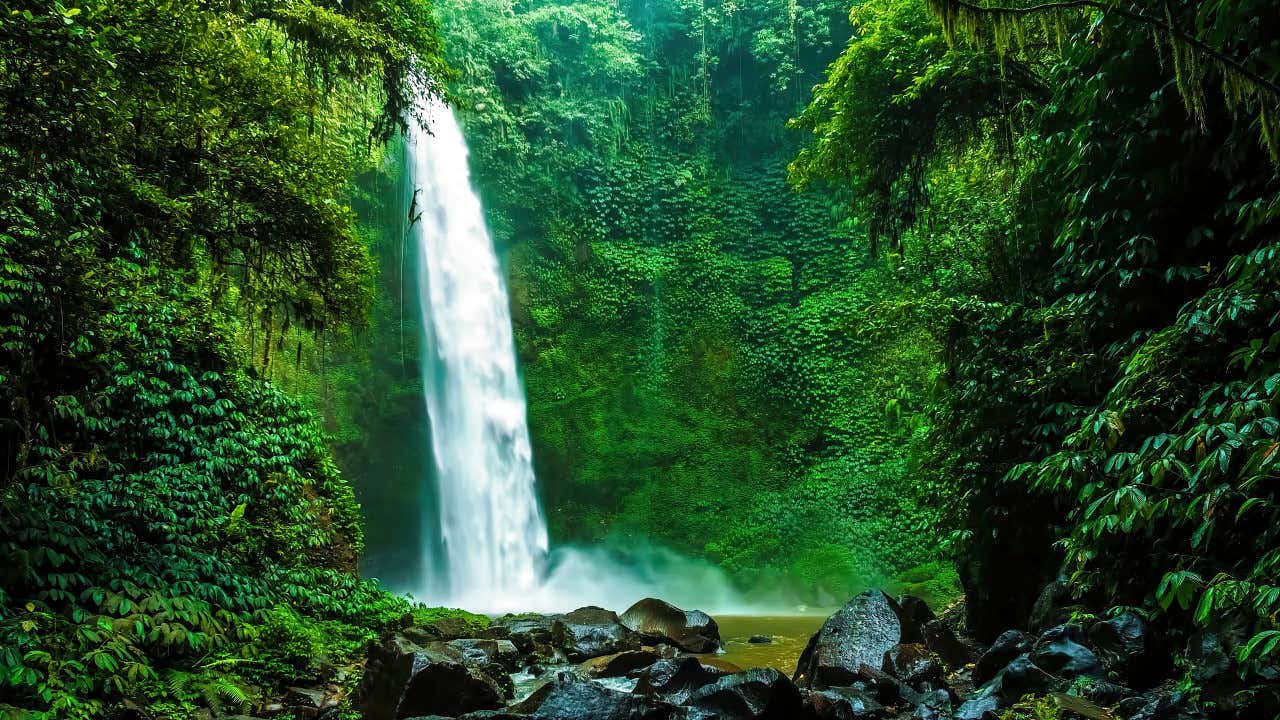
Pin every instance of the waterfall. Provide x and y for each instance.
(491, 533)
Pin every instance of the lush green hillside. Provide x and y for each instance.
(713, 361)
(175, 227)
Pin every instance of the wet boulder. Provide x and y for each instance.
(1126, 646)
(942, 640)
(619, 664)
(858, 634)
(403, 679)
(845, 703)
(1023, 677)
(658, 621)
(761, 694)
(913, 664)
(1008, 646)
(525, 631)
(1061, 651)
(476, 652)
(675, 679)
(591, 632)
(914, 614)
(983, 704)
(573, 699)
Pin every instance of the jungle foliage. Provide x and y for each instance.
(174, 533)
(1110, 387)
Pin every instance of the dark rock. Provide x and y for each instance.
(492, 715)
(860, 633)
(306, 697)
(571, 699)
(1022, 677)
(1061, 651)
(474, 652)
(912, 664)
(939, 699)
(913, 614)
(621, 664)
(675, 679)
(1008, 646)
(402, 679)
(591, 632)
(761, 694)
(760, 640)
(525, 631)
(1105, 693)
(659, 621)
(1048, 609)
(984, 704)
(1127, 647)
(845, 703)
(942, 640)
(1168, 706)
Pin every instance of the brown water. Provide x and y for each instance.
(790, 633)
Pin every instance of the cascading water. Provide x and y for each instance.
(492, 532)
(486, 548)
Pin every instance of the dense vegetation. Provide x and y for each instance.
(173, 529)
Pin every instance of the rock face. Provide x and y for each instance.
(658, 621)
(763, 694)
(572, 699)
(591, 632)
(403, 680)
(1023, 677)
(858, 634)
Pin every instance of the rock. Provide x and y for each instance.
(306, 697)
(939, 700)
(1104, 693)
(619, 664)
(761, 694)
(1075, 706)
(724, 667)
(442, 630)
(912, 664)
(1048, 609)
(1008, 646)
(675, 679)
(942, 640)
(403, 679)
(845, 703)
(572, 699)
(591, 632)
(984, 704)
(659, 621)
(1061, 651)
(860, 633)
(474, 652)
(913, 614)
(1127, 647)
(760, 640)
(1168, 706)
(1023, 677)
(525, 631)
